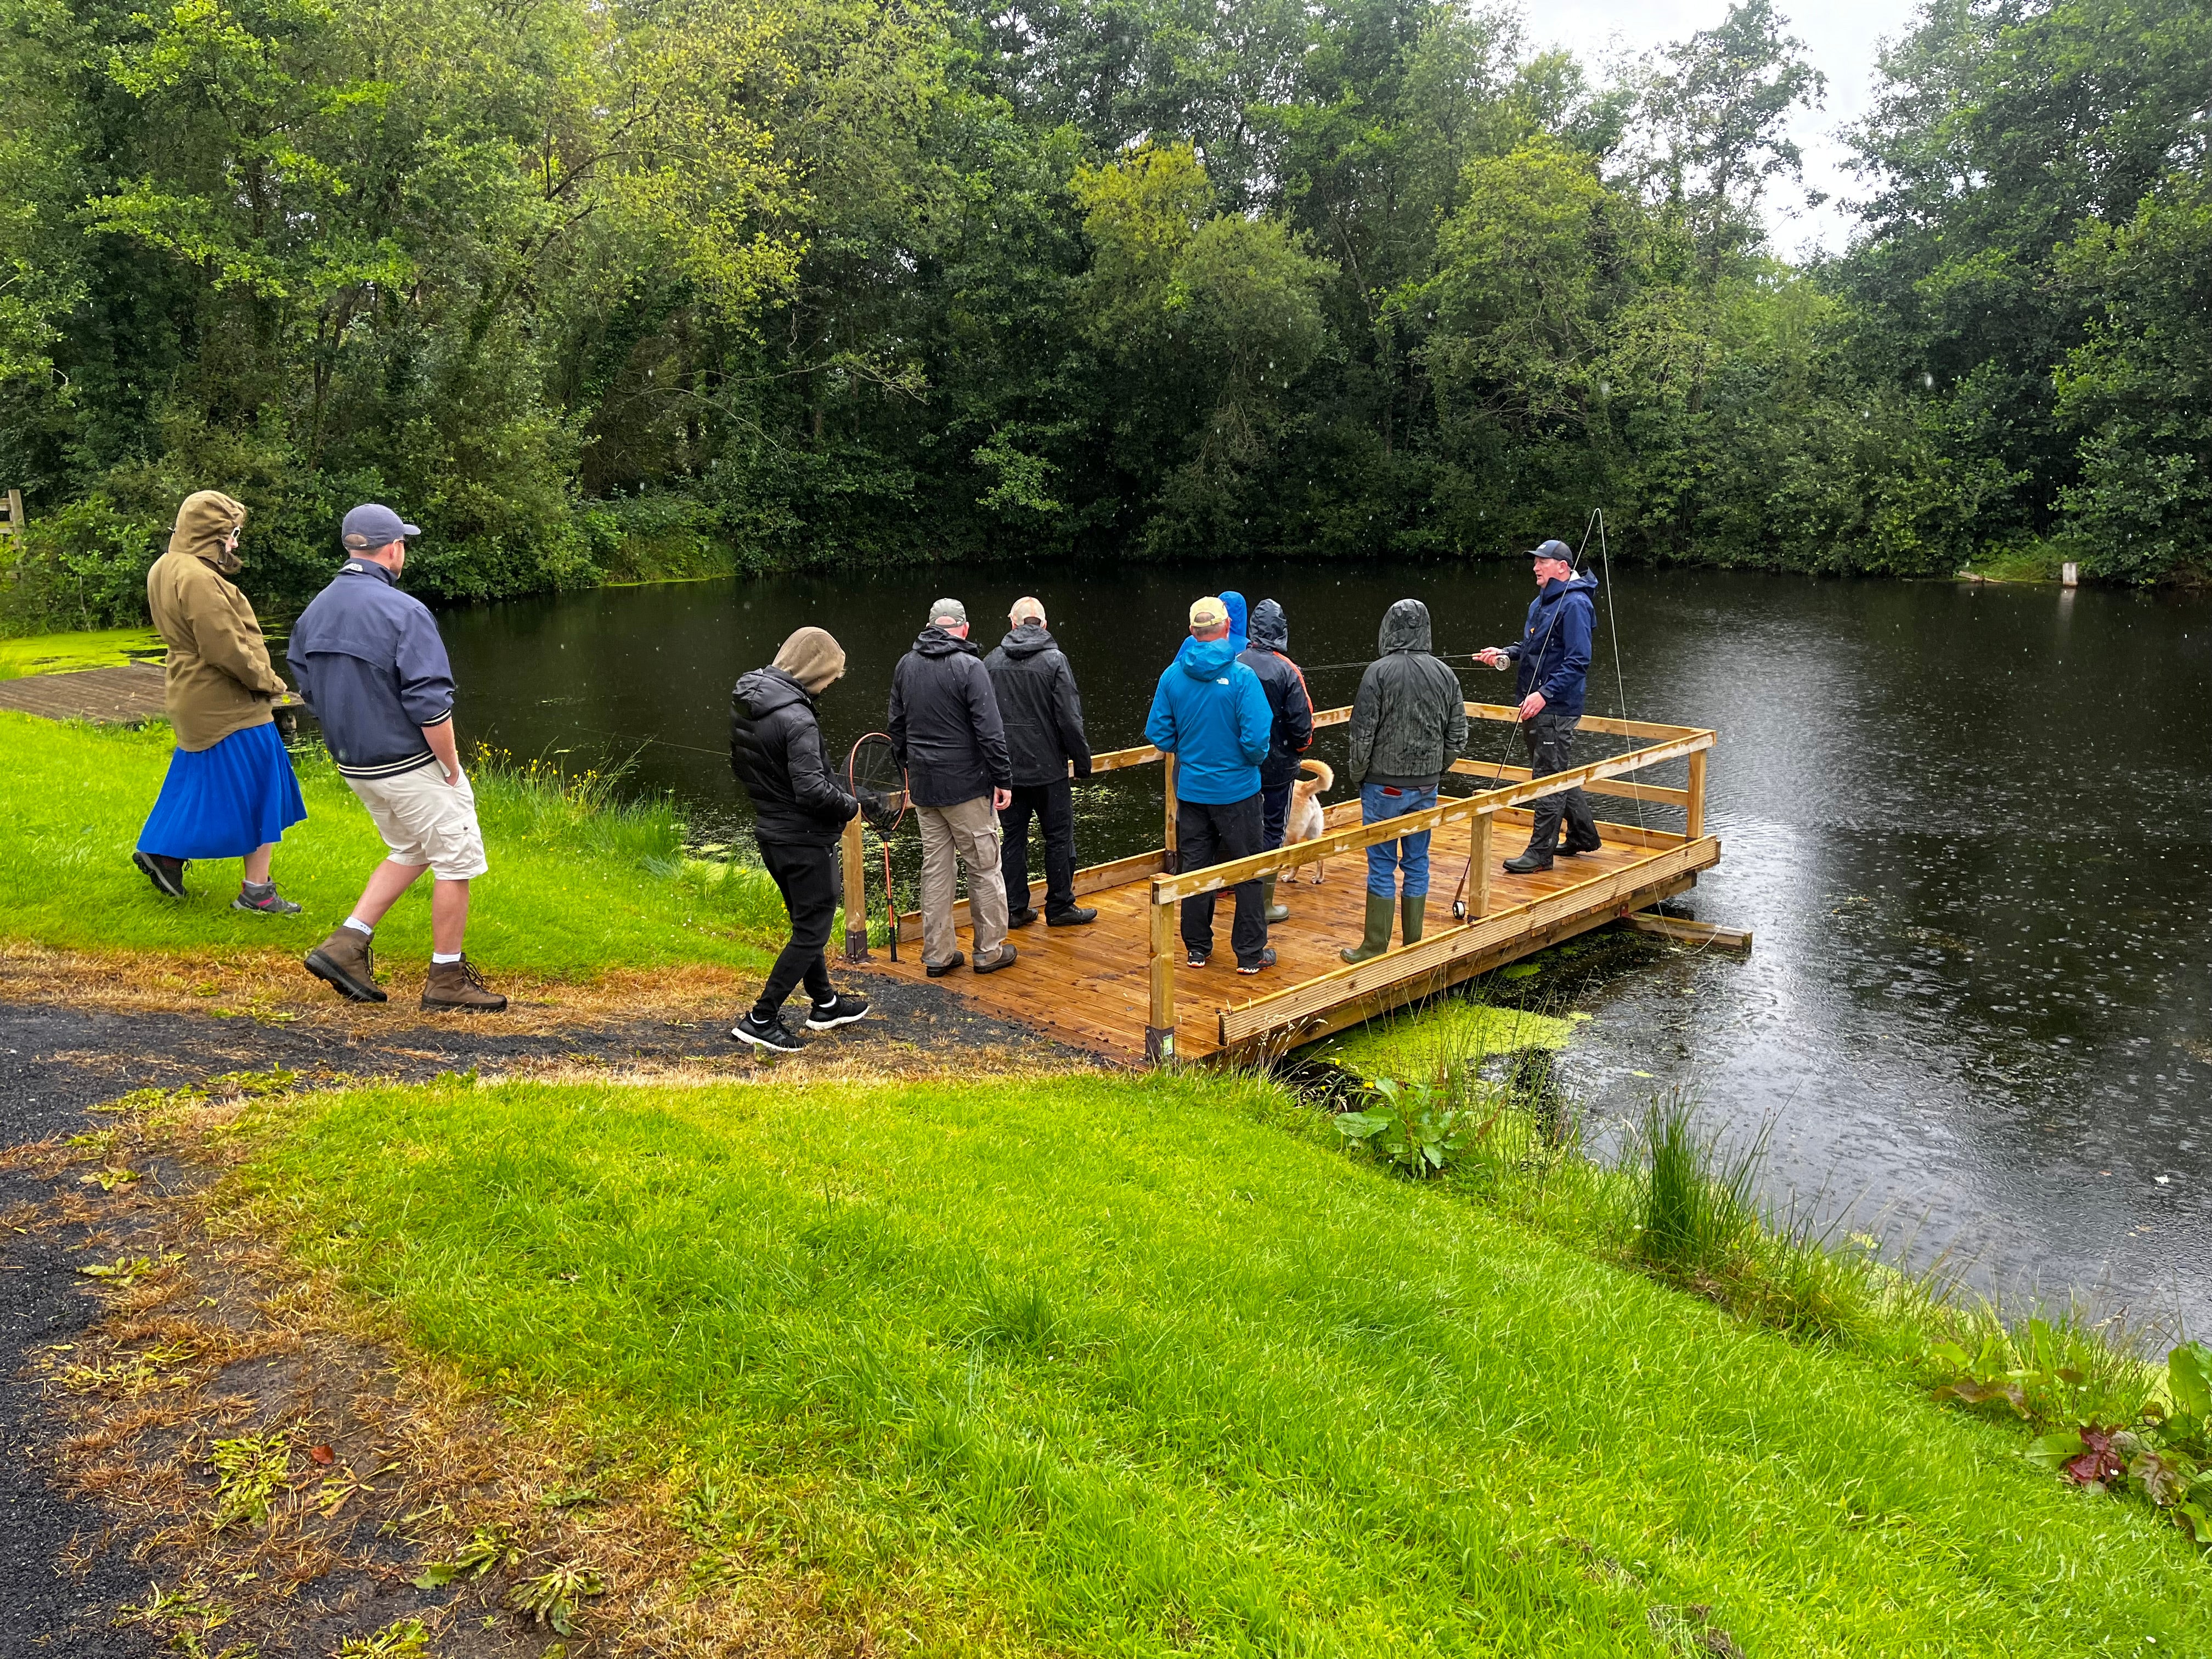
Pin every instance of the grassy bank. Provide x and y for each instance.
(62, 653)
(1117, 1365)
(578, 882)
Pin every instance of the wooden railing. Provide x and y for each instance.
(1171, 885)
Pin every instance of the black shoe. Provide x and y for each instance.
(939, 970)
(1074, 916)
(1196, 958)
(168, 874)
(1528, 863)
(1004, 959)
(840, 1010)
(1267, 961)
(1572, 846)
(773, 1035)
(1021, 918)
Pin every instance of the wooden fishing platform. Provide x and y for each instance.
(1121, 987)
(123, 695)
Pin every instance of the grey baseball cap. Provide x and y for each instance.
(952, 608)
(373, 524)
(1558, 550)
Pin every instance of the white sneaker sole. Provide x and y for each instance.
(834, 1021)
(744, 1036)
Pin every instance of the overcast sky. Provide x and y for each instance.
(1842, 36)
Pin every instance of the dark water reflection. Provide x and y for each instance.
(1972, 828)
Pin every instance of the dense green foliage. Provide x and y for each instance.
(1115, 1366)
(591, 289)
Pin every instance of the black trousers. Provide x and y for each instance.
(1550, 740)
(808, 879)
(1274, 816)
(1054, 806)
(1207, 835)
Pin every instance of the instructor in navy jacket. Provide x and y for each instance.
(1552, 655)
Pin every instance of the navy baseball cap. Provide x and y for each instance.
(1558, 550)
(373, 524)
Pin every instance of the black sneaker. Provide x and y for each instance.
(1196, 958)
(939, 970)
(773, 1035)
(168, 874)
(840, 1010)
(1267, 960)
(1004, 959)
(1021, 918)
(1075, 915)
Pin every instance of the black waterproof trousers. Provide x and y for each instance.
(808, 878)
(1274, 816)
(1207, 835)
(1055, 807)
(1550, 740)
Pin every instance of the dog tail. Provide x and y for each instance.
(1319, 769)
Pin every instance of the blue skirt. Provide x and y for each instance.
(225, 801)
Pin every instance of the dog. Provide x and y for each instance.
(1306, 823)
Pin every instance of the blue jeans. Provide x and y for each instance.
(1386, 858)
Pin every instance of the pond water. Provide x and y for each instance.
(1971, 826)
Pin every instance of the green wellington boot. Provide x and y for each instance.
(1413, 910)
(1377, 938)
(1275, 912)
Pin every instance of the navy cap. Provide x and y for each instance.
(1558, 550)
(373, 524)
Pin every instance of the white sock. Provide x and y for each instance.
(441, 957)
(360, 927)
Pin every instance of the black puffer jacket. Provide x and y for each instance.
(775, 749)
(1409, 721)
(1040, 706)
(944, 722)
(1267, 657)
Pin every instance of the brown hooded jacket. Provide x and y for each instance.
(219, 677)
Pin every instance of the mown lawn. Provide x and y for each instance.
(576, 886)
(1114, 1366)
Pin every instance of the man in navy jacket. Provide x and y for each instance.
(1552, 655)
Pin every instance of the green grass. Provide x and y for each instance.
(1116, 1365)
(1452, 1034)
(61, 653)
(578, 882)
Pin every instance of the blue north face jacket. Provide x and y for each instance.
(1553, 650)
(1211, 714)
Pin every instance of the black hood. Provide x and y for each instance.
(1270, 627)
(767, 690)
(934, 642)
(1028, 640)
(1405, 628)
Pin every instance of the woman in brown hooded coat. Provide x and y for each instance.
(230, 792)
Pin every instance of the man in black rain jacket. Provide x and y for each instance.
(799, 814)
(944, 726)
(1267, 655)
(1043, 716)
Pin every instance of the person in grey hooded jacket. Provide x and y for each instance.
(1408, 726)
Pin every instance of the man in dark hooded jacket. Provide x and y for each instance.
(1043, 713)
(1408, 726)
(945, 726)
(799, 814)
(1552, 654)
(1267, 655)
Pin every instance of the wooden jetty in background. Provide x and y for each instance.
(123, 696)
(1121, 987)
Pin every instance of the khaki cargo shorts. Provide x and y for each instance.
(425, 820)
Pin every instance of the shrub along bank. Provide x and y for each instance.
(579, 884)
(1118, 1366)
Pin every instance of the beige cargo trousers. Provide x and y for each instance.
(967, 834)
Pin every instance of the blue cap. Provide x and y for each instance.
(1558, 550)
(373, 524)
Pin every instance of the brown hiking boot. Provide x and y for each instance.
(457, 985)
(343, 962)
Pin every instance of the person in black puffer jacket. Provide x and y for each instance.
(943, 723)
(1043, 716)
(798, 815)
(1267, 655)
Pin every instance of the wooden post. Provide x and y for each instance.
(856, 892)
(1477, 853)
(1159, 1026)
(1696, 825)
(1168, 771)
(13, 524)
